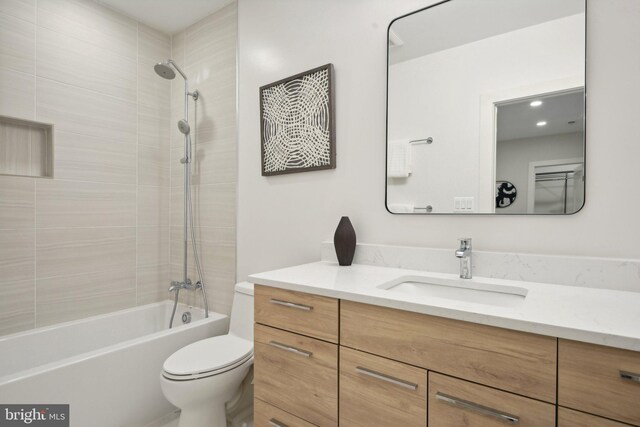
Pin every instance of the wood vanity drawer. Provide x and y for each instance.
(571, 418)
(265, 415)
(297, 374)
(298, 312)
(455, 403)
(514, 361)
(600, 380)
(380, 392)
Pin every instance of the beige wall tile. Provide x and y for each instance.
(219, 294)
(17, 255)
(14, 149)
(17, 306)
(213, 34)
(153, 246)
(84, 204)
(64, 298)
(153, 125)
(211, 167)
(17, 44)
(153, 284)
(103, 101)
(153, 44)
(69, 251)
(85, 112)
(79, 63)
(153, 205)
(153, 90)
(216, 258)
(178, 41)
(216, 247)
(17, 202)
(213, 244)
(153, 166)
(91, 22)
(41, 155)
(23, 9)
(86, 158)
(223, 135)
(17, 94)
(214, 205)
(210, 164)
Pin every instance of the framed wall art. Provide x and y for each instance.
(297, 122)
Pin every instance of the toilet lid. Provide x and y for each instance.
(208, 355)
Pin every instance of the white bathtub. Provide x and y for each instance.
(106, 367)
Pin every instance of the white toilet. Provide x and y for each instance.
(201, 377)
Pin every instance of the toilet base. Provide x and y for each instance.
(211, 415)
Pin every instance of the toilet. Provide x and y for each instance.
(201, 377)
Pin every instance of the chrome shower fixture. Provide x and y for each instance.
(166, 71)
(183, 127)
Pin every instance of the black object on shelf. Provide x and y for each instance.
(344, 241)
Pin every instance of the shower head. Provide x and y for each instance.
(164, 70)
(167, 70)
(184, 127)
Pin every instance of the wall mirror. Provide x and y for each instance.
(486, 108)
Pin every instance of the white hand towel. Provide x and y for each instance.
(399, 159)
(401, 208)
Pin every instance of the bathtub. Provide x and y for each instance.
(106, 367)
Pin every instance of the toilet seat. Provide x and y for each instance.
(208, 357)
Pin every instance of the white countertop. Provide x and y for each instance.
(598, 316)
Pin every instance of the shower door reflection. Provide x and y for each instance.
(557, 189)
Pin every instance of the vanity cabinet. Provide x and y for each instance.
(296, 355)
(297, 312)
(375, 391)
(323, 361)
(297, 374)
(571, 418)
(266, 415)
(454, 403)
(509, 360)
(599, 380)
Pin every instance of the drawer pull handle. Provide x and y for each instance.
(291, 304)
(511, 419)
(629, 376)
(275, 423)
(387, 378)
(290, 349)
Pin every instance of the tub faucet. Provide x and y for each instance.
(464, 253)
(175, 285)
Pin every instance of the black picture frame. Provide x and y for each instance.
(331, 164)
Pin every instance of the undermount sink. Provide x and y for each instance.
(459, 290)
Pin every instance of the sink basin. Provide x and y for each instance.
(459, 290)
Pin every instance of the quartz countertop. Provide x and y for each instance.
(598, 316)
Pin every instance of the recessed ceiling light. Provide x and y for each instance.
(536, 103)
(541, 123)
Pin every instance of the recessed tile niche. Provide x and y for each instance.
(26, 148)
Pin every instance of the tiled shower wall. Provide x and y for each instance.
(96, 237)
(105, 233)
(207, 52)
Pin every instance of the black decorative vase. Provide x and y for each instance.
(344, 240)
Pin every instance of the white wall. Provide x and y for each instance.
(282, 219)
(438, 95)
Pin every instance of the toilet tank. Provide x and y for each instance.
(242, 311)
